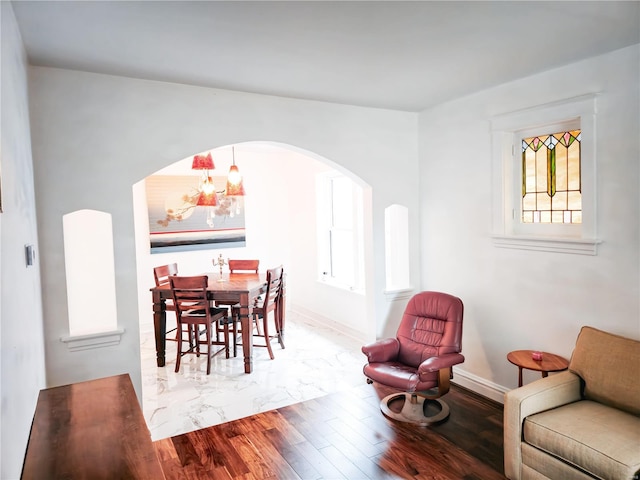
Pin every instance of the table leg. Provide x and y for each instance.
(160, 327)
(519, 376)
(545, 374)
(246, 324)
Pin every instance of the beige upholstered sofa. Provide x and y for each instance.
(583, 423)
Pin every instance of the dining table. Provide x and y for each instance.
(240, 288)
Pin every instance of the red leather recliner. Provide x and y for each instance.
(419, 360)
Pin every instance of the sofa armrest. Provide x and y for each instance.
(382, 351)
(541, 395)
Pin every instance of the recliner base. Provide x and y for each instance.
(413, 410)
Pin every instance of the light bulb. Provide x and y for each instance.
(234, 177)
(207, 187)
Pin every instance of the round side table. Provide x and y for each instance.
(549, 363)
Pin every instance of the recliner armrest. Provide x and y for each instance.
(382, 350)
(433, 364)
(541, 395)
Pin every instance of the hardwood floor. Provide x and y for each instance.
(343, 436)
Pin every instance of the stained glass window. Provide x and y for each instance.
(551, 185)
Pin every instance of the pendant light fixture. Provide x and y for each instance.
(204, 163)
(208, 200)
(235, 187)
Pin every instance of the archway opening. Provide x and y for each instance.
(280, 205)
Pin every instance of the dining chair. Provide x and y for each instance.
(236, 266)
(270, 303)
(161, 276)
(239, 267)
(193, 310)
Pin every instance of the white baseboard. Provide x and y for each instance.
(479, 385)
(304, 315)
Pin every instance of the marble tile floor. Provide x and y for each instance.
(316, 361)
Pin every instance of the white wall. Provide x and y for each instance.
(516, 299)
(22, 351)
(95, 136)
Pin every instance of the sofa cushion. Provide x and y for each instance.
(610, 367)
(600, 440)
(539, 465)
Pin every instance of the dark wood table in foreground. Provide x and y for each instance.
(90, 430)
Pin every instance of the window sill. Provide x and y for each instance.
(547, 244)
(341, 286)
(93, 340)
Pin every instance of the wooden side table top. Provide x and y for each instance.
(549, 362)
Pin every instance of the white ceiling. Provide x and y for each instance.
(397, 55)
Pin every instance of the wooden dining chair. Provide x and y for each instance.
(193, 311)
(270, 303)
(241, 266)
(238, 266)
(161, 276)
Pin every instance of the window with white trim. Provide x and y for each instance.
(340, 237)
(544, 178)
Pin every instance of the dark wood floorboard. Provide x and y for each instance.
(344, 436)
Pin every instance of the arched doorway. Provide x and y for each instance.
(280, 222)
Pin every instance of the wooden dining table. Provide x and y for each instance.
(240, 288)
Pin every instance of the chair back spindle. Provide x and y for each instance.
(161, 275)
(271, 303)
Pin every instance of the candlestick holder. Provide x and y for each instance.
(221, 262)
